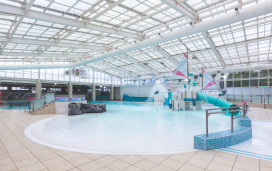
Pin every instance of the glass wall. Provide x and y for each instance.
(79, 74)
(261, 78)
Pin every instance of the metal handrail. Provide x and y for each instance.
(250, 99)
(32, 102)
(232, 110)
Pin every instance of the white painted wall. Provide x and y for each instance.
(136, 91)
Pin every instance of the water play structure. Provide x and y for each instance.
(191, 96)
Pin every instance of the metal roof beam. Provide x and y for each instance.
(213, 47)
(111, 6)
(259, 9)
(144, 67)
(49, 43)
(194, 17)
(42, 54)
(17, 11)
(165, 54)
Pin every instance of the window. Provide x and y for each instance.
(253, 74)
(263, 73)
(245, 74)
(16, 88)
(253, 83)
(230, 84)
(230, 76)
(237, 83)
(263, 82)
(245, 83)
(237, 75)
(3, 88)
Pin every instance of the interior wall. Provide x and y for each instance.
(136, 91)
(117, 93)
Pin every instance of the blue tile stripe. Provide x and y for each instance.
(224, 139)
(247, 153)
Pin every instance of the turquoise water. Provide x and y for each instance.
(13, 107)
(127, 128)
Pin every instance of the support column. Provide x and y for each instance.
(38, 86)
(225, 82)
(70, 89)
(112, 90)
(93, 89)
(70, 85)
(9, 88)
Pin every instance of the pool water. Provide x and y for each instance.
(126, 128)
(14, 107)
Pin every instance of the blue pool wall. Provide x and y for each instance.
(137, 99)
(226, 138)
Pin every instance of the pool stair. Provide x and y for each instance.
(47, 109)
(226, 138)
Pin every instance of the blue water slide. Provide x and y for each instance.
(216, 101)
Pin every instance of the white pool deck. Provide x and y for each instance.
(19, 153)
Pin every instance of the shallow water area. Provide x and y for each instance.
(127, 128)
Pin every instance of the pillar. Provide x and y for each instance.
(38, 89)
(70, 89)
(38, 86)
(93, 89)
(70, 85)
(9, 88)
(112, 89)
(225, 82)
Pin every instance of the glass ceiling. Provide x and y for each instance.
(84, 29)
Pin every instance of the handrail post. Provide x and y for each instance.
(264, 102)
(244, 110)
(207, 125)
(173, 107)
(234, 97)
(33, 108)
(242, 98)
(231, 121)
(261, 99)
(251, 98)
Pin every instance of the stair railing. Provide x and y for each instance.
(35, 104)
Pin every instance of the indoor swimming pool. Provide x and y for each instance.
(14, 107)
(127, 128)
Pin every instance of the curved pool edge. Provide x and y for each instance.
(27, 133)
(224, 139)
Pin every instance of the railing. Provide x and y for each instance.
(232, 110)
(258, 99)
(38, 103)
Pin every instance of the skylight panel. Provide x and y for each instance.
(10, 3)
(76, 11)
(82, 6)
(65, 2)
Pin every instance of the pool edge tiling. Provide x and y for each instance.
(225, 139)
(124, 133)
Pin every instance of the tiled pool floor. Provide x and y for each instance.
(19, 153)
(260, 145)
